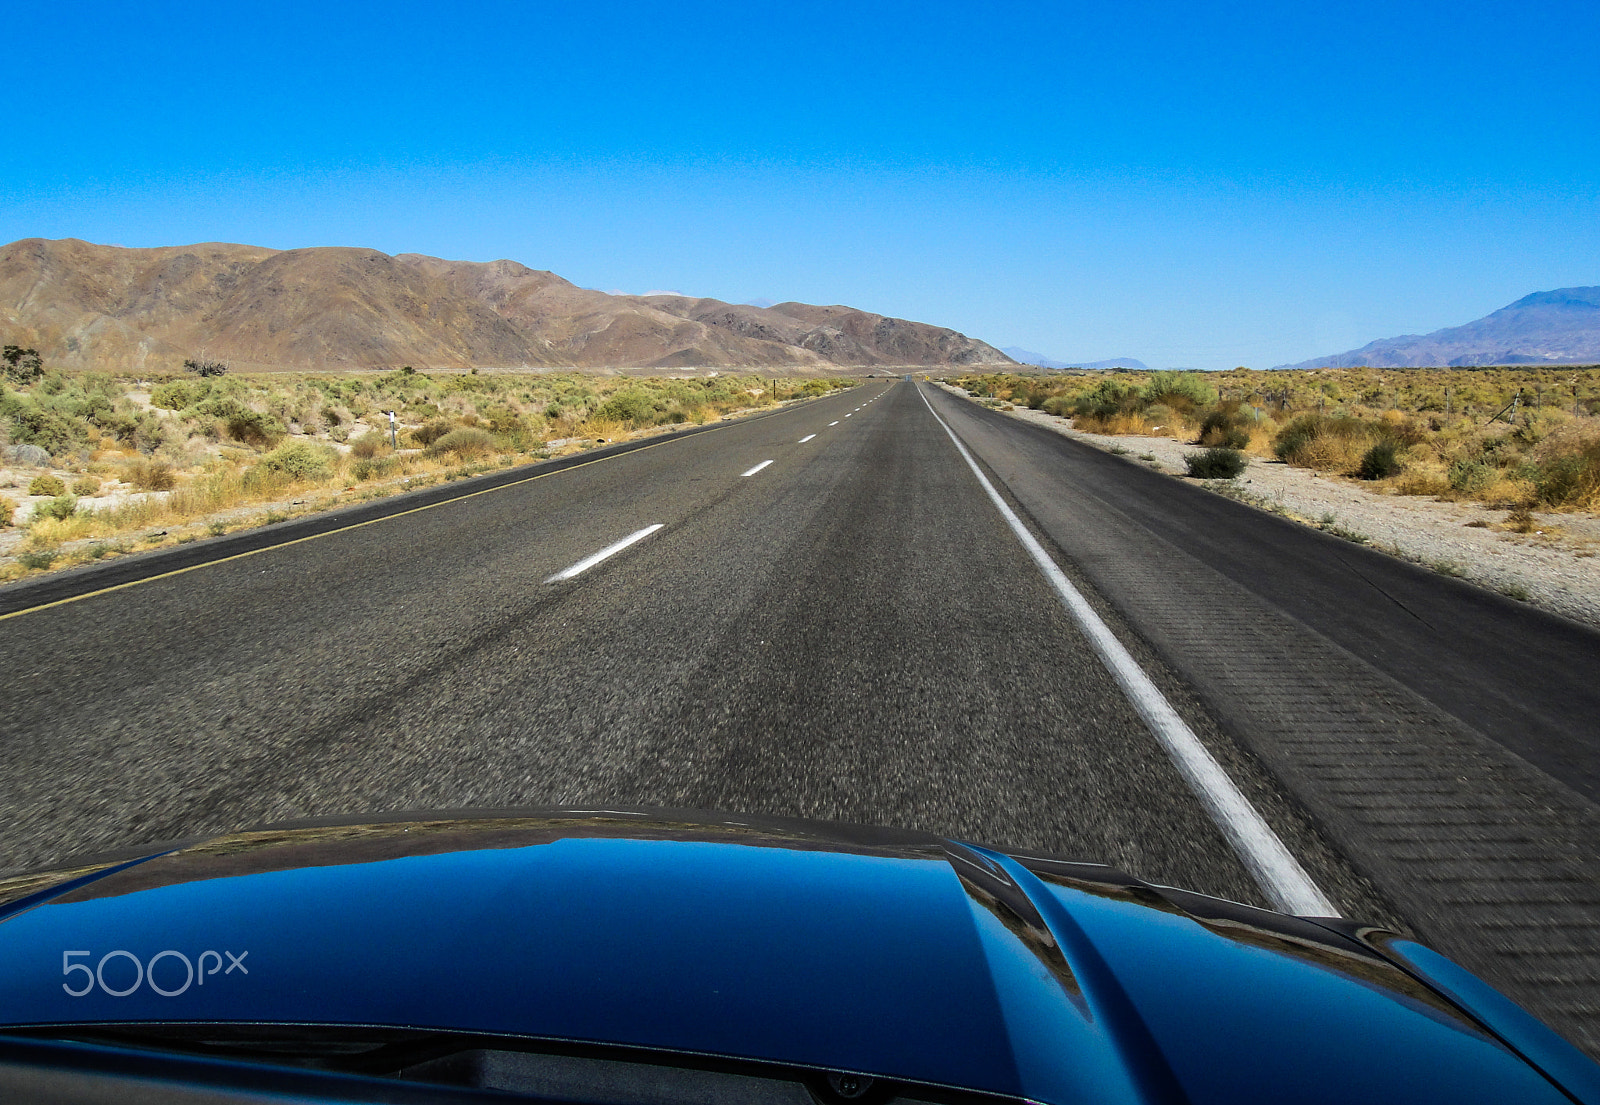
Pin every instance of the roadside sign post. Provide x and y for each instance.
(394, 442)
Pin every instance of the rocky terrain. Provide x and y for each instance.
(136, 310)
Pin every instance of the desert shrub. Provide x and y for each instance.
(1472, 476)
(635, 407)
(1058, 405)
(1108, 399)
(37, 559)
(1569, 479)
(22, 366)
(1381, 460)
(1225, 426)
(252, 427)
(175, 395)
(205, 368)
(1426, 481)
(465, 442)
(151, 475)
(61, 508)
(1182, 391)
(86, 485)
(372, 468)
(431, 431)
(8, 510)
(46, 427)
(369, 445)
(1328, 442)
(299, 460)
(504, 420)
(46, 485)
(1521, 520)
(1217, 463)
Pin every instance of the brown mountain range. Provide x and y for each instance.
(106, 307)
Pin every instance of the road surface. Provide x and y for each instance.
(823, 612)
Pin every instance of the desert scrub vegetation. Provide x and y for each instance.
(1507, 436)
(1219, 462)
(133, 455)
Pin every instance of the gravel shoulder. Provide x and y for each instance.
(1556, 567)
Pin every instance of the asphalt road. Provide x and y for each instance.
(849, 631)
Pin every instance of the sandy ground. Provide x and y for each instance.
(1557, 569)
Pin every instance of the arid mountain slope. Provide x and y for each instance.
(92, 306)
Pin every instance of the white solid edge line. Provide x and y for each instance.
(1274, 868)
(610, 550)
(756, 469)
(807, 438)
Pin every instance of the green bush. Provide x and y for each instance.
(1225, 426)
(37, 560)
(1108, 399)
(1472, 476)
(175, 395)
(7, 510)
(22, 366)
(86, 485)
(46, 427)
(61, 508)
(431, 431)
(1382, 460)
(1218, 463)
(1182, 391)
(299, 460)
(46, 485)
(1570, 479)
(465, 442)
(238, 421)
(638, 408)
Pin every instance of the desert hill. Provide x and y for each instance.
(92, 306)
(1555, 327)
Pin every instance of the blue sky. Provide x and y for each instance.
(1201, 184)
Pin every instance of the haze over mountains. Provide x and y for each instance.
(1028, 356)
(106, 307)
(1555, 327)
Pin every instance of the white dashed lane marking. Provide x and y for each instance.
(610, 550)
(757, 468)
(807, 438)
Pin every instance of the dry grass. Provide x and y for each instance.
(197, 473)
(1451, 433)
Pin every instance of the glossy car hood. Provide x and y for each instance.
(888, 953)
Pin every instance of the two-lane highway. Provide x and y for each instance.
(819, 612)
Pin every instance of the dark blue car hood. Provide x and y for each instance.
(893, 954)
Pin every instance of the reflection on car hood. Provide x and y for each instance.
(890, 953)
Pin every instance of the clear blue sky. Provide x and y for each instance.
(1203, 184)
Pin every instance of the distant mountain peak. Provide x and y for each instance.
(1581, 298)
(1561, 326)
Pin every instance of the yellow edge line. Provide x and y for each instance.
(344, 529)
